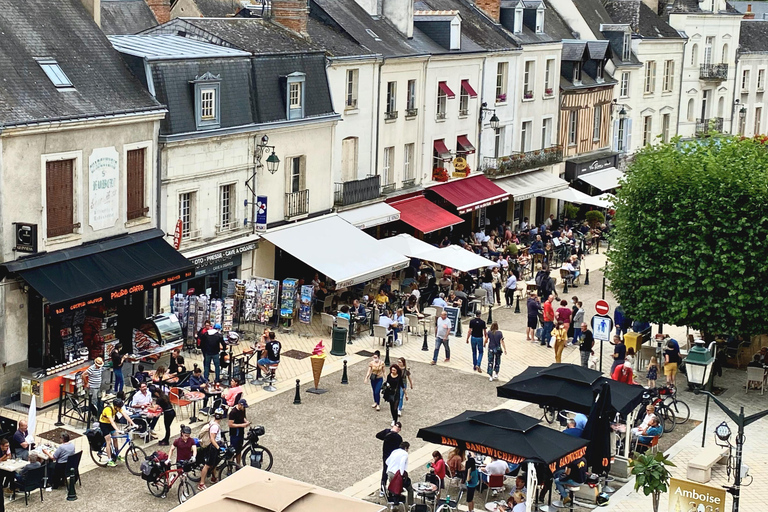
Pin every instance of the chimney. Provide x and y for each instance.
(291, 14)
(400, 14)
(490, 7)
(161, 9)
(94, 9)
(749, 15)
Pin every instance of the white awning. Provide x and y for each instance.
(574, 196)
(408, 245)
(452, 256)
(604, 179)
(532, 184)
(371, 215)
(337, 249)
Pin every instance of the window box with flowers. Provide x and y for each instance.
(501, 98)
(528, 95)
(549, 92)
(439, 174)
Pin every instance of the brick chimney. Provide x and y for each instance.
(749, 15)
(94, 9)
(490, 7)
(291, 14)
(161, 9)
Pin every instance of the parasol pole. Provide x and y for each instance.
(628, 433)
(530, 485)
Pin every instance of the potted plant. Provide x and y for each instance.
(439, 174)
(501, 98)
(651, 474)
(594, 218)
(528, 95)
(548, 91)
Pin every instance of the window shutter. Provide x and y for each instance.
(303, 173)
(59, 197)
(615, 134)
(135, 179)
(627, 135)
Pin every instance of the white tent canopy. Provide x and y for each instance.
(452, 256)
(462, 259)
(371, 215)
(337, 249)
(409, 245)
(604, 179)
(574, 196)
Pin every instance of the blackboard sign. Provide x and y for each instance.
(453, 316)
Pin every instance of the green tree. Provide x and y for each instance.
(690, 242)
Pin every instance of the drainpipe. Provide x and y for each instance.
(480, 117)
(377, 109)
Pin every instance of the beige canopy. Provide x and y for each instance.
(254, 490)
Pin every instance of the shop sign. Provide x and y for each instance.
(461, 169)
(221, 265)
(103, 188)
(215, 258)
(261, 213)
(177, 234)
(26, 237)
(688, 496)
(575, 169)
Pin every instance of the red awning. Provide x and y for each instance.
(471, 193)
(447, 90)
(464, 145)
(468, 89)
(424, 215)
(442, 150)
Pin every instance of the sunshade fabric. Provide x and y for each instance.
(506, 435)
(568, 394)
(442, 150)
(471, 193)
(464, 144)
(452, 256)
(532, 184)
(574, 196)
(468, 89)
(97, 271)
(371, 215)
(408, 245)
(325, 244)
(461, 259)
(604, 179)
(446, 90)
(424, 215)
(254, 490)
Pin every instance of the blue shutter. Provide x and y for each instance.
(627, 135)
(615, 145)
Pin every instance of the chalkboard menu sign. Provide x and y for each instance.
(453, 316)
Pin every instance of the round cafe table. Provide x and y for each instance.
(194, 397)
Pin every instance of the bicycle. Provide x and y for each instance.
(549, 413)
(682, 411)
(254, 454)
(226, 466)
(665, 414)
(134, 455)
(160, 486)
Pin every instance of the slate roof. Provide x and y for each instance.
(754, 36)
(126, 16)
(170, 47)
(573, 50)
(62, 30)
(217, 8)
(687, 6)
(758, 8)
(644, 22)
(474, 25)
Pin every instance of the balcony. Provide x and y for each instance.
(704, 126)
(717, 72)
(517, 163)
(297, 205)
(390, 115)
(357, 191)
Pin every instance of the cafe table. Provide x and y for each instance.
(194, 397)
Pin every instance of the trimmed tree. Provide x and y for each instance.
(690, 238)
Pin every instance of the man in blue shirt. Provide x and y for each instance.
(572, 430)
(440, 301)
(646, 436)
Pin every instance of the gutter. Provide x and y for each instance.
(156, 109)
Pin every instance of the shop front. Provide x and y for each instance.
(529, 190)
(82, 302)
(593, 174)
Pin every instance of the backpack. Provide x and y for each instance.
(204, 436)
(95, 438)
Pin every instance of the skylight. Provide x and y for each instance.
(54, 73)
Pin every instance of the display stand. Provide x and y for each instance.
(287, 303)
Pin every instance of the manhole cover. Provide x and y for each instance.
(364, 353)
(55, 435)
(296, 354)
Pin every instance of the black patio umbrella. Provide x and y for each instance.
(598, 432)
(569, 387)
(506, 435)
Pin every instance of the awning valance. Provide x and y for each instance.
(424, 215)
(532, 184)
(371, 215)
(464, 146)
(446, 90)
(471, 193)
(442, 150)
(574, 196)
(468, 89)
(90, 274)
(336, 248)
(604, 179)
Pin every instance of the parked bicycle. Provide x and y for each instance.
(254, 454)
(226, 466)
(682, 411)
(161, 475)
(134, 455)
(664, 413)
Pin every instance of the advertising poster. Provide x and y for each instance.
(103, 188)
(287, 302)
(305, 304)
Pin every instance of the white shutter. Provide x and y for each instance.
(627, 135)
(615, 146)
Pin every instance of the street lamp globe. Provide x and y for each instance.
(743, 112)
(723, 432)
(699, 364)
(494, 122)
(273, 163)
(622, 113)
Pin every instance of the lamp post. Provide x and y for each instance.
(742, 119)
(273, 163)
(699, 371)
(493, 121)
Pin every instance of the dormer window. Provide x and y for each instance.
(207, 101)
(295, 94)
(577, 73)
(455, 34)
(55, 74)
(626, 48)
(518, 20)
(539, 20)
(599, 72)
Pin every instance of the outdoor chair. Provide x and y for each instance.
(755, 375)
(177, 401)
(653, 445)
(343, 322)
(566, 276)
(73, 462)
(380, 333)
(32, 481)
(413, 324)
(269, 380)
(328, 303)
(495, 483)
(328, 321)
(438, 311)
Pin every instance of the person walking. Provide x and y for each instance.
(534, 310)
(391, 390)
(496, 281)
(94, 375)
(510, 288)
(495, 342)
(563, 314)
(211, 343)
(210, 443)
(671, 362)
(561, 338)
(477, 333)
(407, 383)
(619, 353)
(549, 320)
(586, 344)
(577, 320)
(473, 481)
(169, 414)
(375, 374)
(117, 367)
(392, 441)
(443, 328)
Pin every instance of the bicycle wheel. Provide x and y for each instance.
(195, 472)
(158, 488)
(228, 469)
(186, 490)
(263, 459)
(550, 414)
(100, 457)
(682, 411)
(134, 456)
(667, 416)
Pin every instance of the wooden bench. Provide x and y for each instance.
(700, 467)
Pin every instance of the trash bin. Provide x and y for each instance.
(633, 340)
(339, 341)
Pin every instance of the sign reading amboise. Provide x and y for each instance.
(685, 496)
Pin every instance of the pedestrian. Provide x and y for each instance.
(443, 328)
(671, 362)
(169, 414)
(586, 344)
(94, 375)
(549, 320)
(237, 423)
(392, 441)
(574, 325)
(397, 471)
(477, 333)
(407, 383)
(534, 310)
(117, 367)
(510, 288)
(210, 443)
(211, 343)
(376, 374)
(653, 372)
(560, 336)
(496, 281)
(619, 352)
(472, 480)
(391, 391)
(577, 320)
(495, 341)
(563, 314)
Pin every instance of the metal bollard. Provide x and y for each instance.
(297, 398)
(59, 423)
(565, 285)
(586, 279)
(424, 345)
(386, 359)
(458, 325)
(490, 314)
(517, 305)
(344, 378)
(71, 492)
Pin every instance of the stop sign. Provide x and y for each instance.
(602, 307)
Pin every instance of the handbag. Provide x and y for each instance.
(387, 393)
